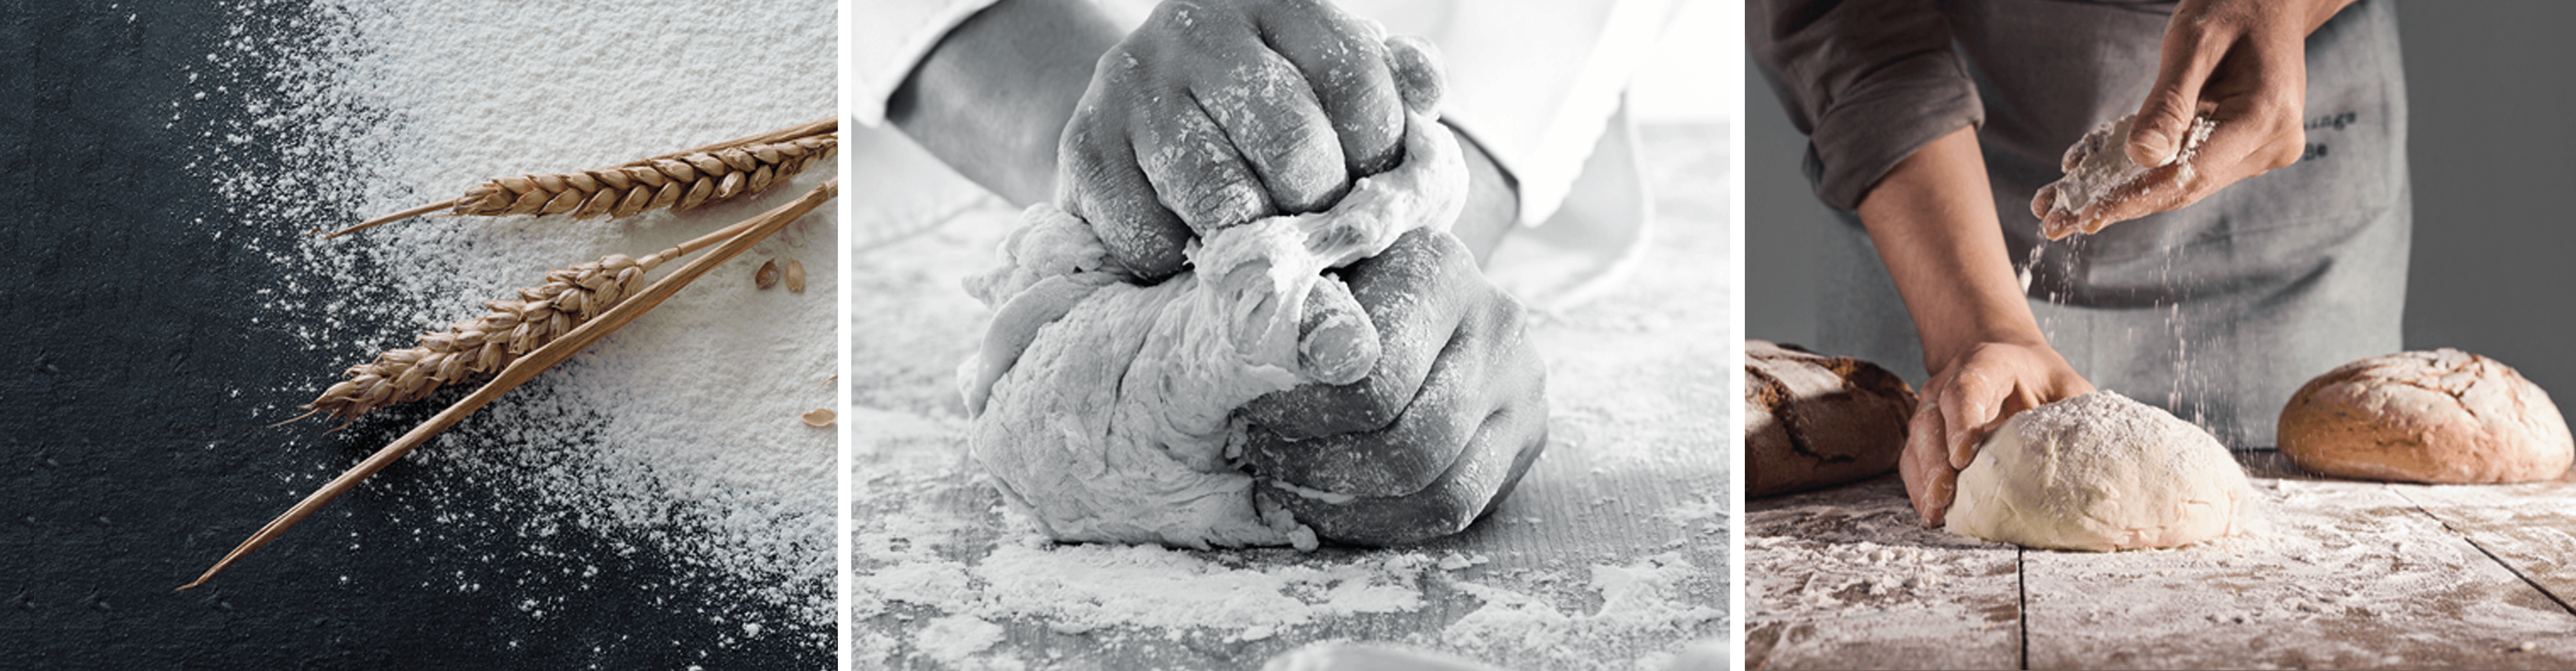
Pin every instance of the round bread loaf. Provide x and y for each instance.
(2444, 417)
(1812, 420)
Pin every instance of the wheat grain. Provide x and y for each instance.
(570, 297)
(734, 240)
(677, 183)
(679, 180)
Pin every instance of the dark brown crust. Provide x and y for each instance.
(1801, 432)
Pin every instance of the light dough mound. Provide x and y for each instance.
(1105, 408)
(2444, 416)
(2100, 472)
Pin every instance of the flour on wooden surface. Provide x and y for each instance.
(678, 436)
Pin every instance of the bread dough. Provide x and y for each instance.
(2444, 416)
(2100, 472)
(1104, 408)
(1812, 420)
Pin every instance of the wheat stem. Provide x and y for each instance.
(527, 367)
(511, 329)
(678, 180)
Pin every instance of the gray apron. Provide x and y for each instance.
(2218, 311)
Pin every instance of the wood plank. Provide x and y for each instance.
(2531, 528)
(1848, 578)
(2342, 575)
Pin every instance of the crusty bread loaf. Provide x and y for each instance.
(2444, 416)
(1812, 420)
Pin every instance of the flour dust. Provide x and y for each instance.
(675, 439)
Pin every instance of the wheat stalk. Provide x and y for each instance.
(569, 298)
(680, 180)
(736, 238)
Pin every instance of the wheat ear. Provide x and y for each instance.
(679, 180)
(736, 238)
(570, 297)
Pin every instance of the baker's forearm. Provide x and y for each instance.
(992, 99)
(1933, 220)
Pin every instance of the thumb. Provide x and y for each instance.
(1336, 342)
(1419, 78)
(2157, 132)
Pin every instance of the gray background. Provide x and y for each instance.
(2494, 163)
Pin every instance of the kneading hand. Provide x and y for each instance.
(1447, 421)
(2239, 63)
(1217, 112)
(1967, 400)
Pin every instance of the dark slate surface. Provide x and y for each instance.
(128, 464)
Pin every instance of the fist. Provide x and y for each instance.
(1441, 428)
(1218, 112)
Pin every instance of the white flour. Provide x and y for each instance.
(678, 436)
(1609, 556)
(2340, 573)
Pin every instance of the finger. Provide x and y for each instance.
(1923, 465)
(1419, 78)
(2053, 224)
(1416, 294)
(2156, 190)
(1276, 123)
(1504, 444)
(1193, 166)
(2256, 131)
(2188, 55)
(1336, 343)
(1429, 432)
(1103, 185)
(1344, 61)
(1972, 400)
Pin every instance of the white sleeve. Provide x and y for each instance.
(888, 37)
(1534, 81)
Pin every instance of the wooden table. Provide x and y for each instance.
(1612, 553)
(2338, 574)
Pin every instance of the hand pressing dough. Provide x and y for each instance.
(1813, 420)
(2100, 472)
(1104, 409)
(2444, 417)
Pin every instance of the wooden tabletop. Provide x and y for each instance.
(2337, 574)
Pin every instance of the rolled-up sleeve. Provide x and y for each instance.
(889, 37)
(1868, 81)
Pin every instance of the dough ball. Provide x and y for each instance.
(2444, 416)
(1813, 420)
(2100, 472)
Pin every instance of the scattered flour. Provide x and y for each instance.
(2339, 574)
(678, 436)
(1639, 601)
(1617, 583)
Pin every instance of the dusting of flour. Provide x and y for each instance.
(1610, 556)
(677, 437)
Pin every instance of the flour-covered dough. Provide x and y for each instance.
(2100, 472)
(1105, 409)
